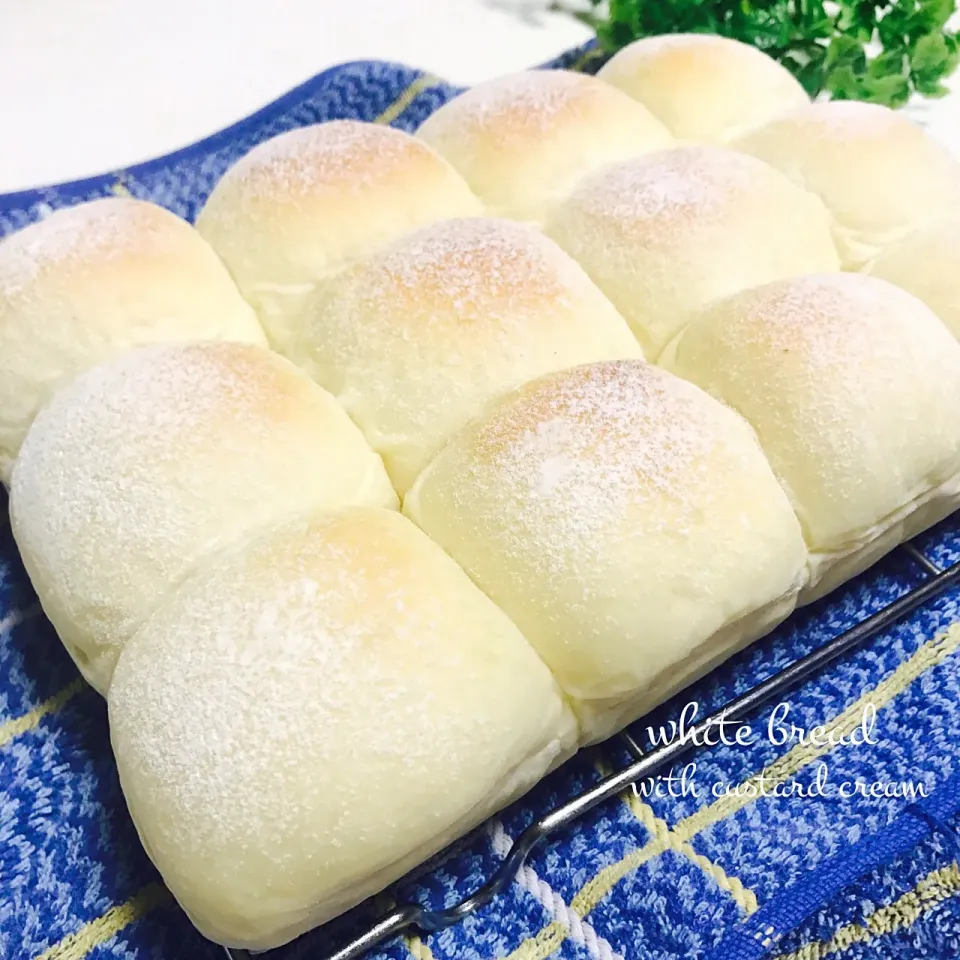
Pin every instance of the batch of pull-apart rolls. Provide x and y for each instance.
(423, 460)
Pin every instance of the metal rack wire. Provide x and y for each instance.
(645, 764)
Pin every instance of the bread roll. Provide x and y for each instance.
(704, 88)
(317, 713)
(298, 207)
(853, 387)
(626, 522)
(93, 281)
(523, 141)
(926, 263)
(143, 467)
(665, 234)
(419, 338)
(879, 174)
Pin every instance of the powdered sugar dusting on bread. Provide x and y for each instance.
(831, 322)
(852, 386)
(684, 182)
(101, 230)
(481, 270)
(419, 338)
(343, 638)
(340, 155)
(576, 451)
(519, 106)
(144, 465)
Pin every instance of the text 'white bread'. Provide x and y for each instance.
(523, 141)
(667, 233)
(316, 714)
(301, 205)
(879, 174)
(89, 283)
(420, 337)
(926, 263)
(704, 88)
(628, 523)
(140, 469)
(853, 387)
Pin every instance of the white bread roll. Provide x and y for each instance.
(879, 174)
(667, 233)
(135, 473)
(853, 387)
(628, 523)
(704, 88)
(322, 710)
(419, 338)
(93, 281)
(523, 141)
(298, 207)
(926, 263)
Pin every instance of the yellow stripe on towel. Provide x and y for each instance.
(928, 894)
(544, 943)
(29, 721)
(77, 945)
(425, 82)
(742, 895)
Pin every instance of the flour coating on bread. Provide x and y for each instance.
(571, 446)
(627, 522)
(317, 711)
(102, 230)
(419, 337)
(687, 182)
(852, 386)
(488, 273)
(520, 106)
(145, 467)
(667, 233)
(337, 156)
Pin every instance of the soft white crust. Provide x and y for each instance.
(523, 141)
(627, 522)
(298, 207)
(853, 387)
(316, 713)
(667, 233)
(926, 263)
(93, 281)
(133, 476)
(879, 174)
(419, 338)
(704, 88)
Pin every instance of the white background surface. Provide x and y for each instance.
(91, 85)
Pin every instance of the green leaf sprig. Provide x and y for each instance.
(882, 51)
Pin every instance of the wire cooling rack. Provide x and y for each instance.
(645, 764)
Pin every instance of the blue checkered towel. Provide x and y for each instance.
(741, 858)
